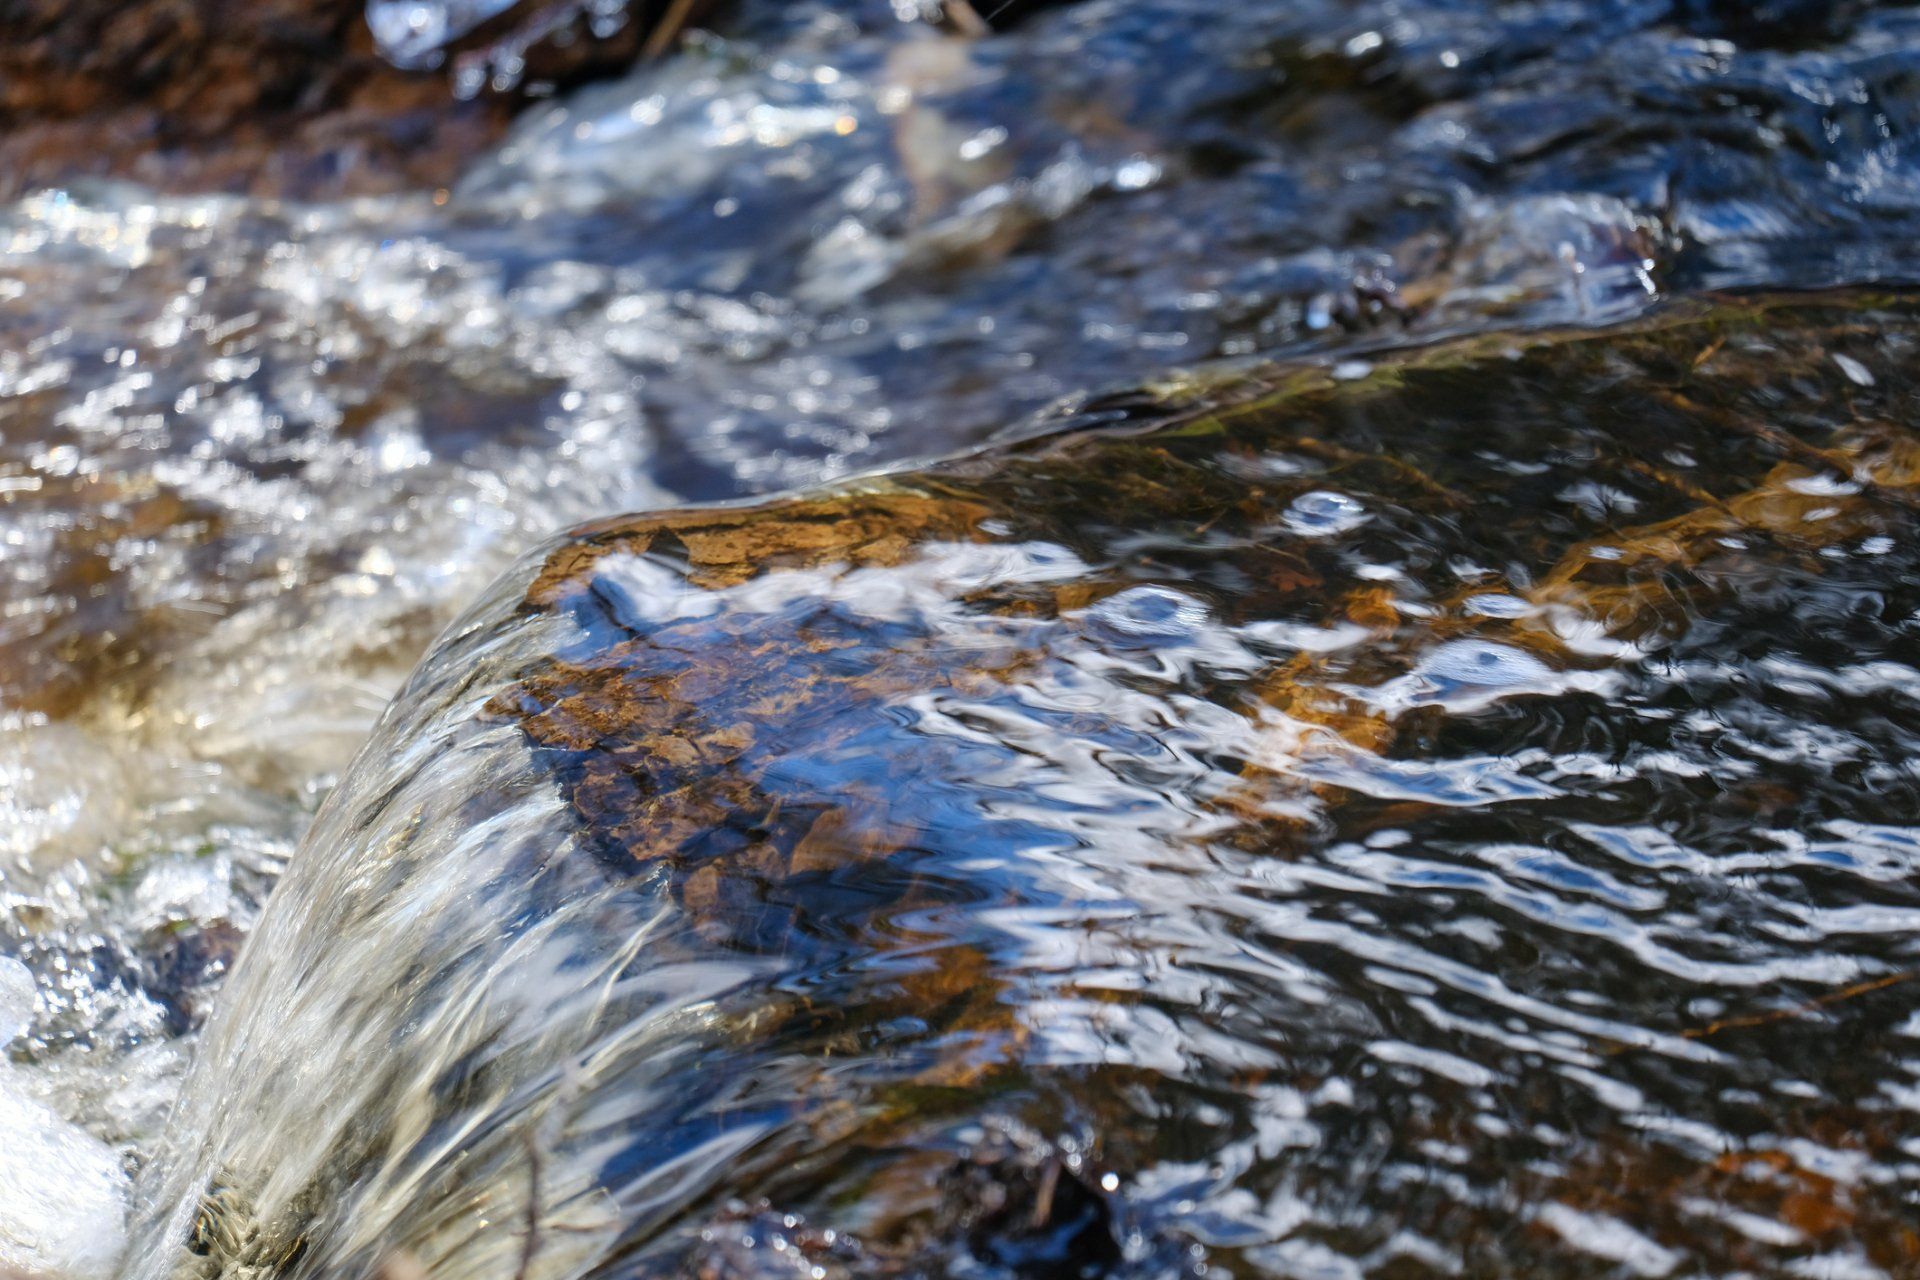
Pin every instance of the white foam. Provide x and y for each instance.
(16, 998)
(63, 1192)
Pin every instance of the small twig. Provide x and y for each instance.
(966, 19)
(671, 23)
(1783, 1015)
(1043, 1201)
(530, 1246)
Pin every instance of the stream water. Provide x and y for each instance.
(1432, 795)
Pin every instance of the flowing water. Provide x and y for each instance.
(1375, 809)
(1446, 818)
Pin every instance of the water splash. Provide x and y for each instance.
(65, 1201)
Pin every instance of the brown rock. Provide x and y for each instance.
(267, 97)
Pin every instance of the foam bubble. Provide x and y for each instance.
(1150, 612)
(1324, 514)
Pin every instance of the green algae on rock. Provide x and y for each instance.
(1423, 817)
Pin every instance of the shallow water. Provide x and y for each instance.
(253, 456)
(1103, 860)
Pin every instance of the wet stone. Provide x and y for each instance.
(1052, 862)
(286, 98)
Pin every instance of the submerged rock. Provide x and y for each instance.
(1060, 861)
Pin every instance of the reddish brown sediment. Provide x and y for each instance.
(724, 546)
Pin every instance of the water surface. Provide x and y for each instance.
(1451, 818)
(255, 454)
